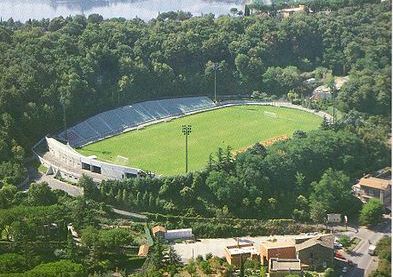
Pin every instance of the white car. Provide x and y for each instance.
(338, 245)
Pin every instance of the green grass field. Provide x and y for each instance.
(160, 148)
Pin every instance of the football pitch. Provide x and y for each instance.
(160, 148)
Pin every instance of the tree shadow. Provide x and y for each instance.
(356, 272)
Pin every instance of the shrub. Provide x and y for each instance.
(12, 262)
(371, 212)
(345, 240)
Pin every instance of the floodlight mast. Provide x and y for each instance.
(186, 130)
(64, 120)
(215, 67)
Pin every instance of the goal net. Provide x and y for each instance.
(271, 114)
(121, 160)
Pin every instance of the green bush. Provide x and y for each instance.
(12, 262)
(345, 240)
(371, 212)
(59, 268)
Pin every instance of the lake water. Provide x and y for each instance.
(145, 9)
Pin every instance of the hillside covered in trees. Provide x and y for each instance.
(89, 65)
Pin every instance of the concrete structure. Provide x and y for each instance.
(313, 252)
(283, 267)
(143, 250)
(158, 231)
(317, 252)
(284, 249)
(63, 161)
(334, 218)
(370, 187)
(323, 92)
(162, 232)
(290, 11)
(179, 234)
(238, 254)
(130, 117)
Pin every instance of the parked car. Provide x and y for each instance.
(338, 245)
(339, 255)
(371, 249)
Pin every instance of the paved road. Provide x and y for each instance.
(130, 214)
(57, 184)
(77, 191)
(365, 262)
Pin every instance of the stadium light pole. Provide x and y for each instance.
(186, 129)
(215, 67)
(62, 101)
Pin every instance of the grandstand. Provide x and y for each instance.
(116, 121)
(64, 162)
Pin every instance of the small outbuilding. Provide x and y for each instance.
(236, 254)
(283, 267)
(158, 231)
(143, 250)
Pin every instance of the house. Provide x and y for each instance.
(158, 231)
(290, 11)
(316, 252)
(143, 250)
(374, 187)
(280, 249)
(236, 254)
(323, 92)
(283, 267)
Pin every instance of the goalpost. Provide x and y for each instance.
(120, 160)
(270, 114)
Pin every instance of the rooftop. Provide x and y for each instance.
(374, 182)
(186, 230)
(324, 240)
(158, 228)
(300, 8)
(278, 244)
(284, 264)
(242, 249)
(143, 250)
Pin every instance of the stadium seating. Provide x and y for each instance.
(116, 121)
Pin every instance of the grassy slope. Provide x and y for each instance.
(161, 148)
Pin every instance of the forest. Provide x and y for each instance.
(82, 66)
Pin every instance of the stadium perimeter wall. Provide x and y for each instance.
(63, 161)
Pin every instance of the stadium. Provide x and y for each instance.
(146, 137)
